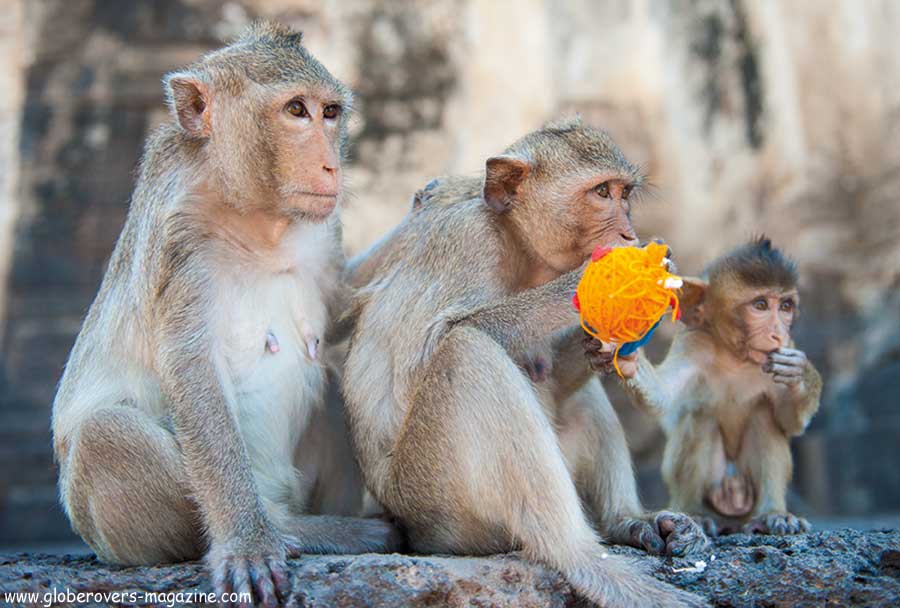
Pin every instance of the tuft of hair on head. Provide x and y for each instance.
(569, 142)
(756, 263)
(271, 33)
(564, 124)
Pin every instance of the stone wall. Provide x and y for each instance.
(748, 117)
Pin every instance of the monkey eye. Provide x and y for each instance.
(297, 108)
(787, 305)
(760, 304)
(331, 111)
(602, 189)
(626, 191)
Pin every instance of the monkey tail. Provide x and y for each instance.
(620, 582)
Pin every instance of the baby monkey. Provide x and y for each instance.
(731, 392)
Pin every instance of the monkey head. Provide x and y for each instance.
(268, 120)
(566, 189)
(747, 300)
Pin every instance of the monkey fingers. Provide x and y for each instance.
(599, 355)
(786, 365)
(263, 579)
(670, 264)
(787, 360)
(601, 358)
(684, 536)
(789, 354)
(636, 533)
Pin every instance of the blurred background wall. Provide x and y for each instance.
(774, 116)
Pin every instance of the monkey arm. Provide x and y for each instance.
(570, 364)
(658, 391)
(518, 320)
(215, 456)
(796, 404)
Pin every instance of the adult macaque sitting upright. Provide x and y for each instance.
(731, 392)
(454, 437)
(186, 422)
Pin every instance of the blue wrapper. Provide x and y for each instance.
(630, 347)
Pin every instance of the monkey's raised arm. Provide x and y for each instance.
(657, 390)
(517, 321)
(571, 368)
(799, 402)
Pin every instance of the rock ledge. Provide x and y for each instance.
(834, 568)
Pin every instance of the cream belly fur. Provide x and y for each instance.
(264, 385)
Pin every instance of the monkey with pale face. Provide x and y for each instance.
(453, 435)
(186, 419)
(731, 392)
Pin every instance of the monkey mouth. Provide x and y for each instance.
(307, 193)
(314, 206)
(758, 356)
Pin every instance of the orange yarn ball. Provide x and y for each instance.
(624, 292)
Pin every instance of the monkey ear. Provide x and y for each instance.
(188, 99)
(691, 300)
(502, 177)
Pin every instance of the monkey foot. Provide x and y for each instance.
(779, 524)
(665, 533)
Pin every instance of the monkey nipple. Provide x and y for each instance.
(311, 339)
(272, 342)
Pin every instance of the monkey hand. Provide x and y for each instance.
(670, 264)
(787, 366)
(256, 568)
(600, 357)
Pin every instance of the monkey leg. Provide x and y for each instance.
(324, 458)
(593, 441)
(765, 452)
(124, 489)
(477, 469)
(699, 478)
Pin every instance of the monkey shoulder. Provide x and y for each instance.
(447, 190)
(695, 345)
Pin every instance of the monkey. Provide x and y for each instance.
(179, 419)
(731, 392)
(453, 438)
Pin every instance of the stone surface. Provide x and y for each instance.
(839, 568)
